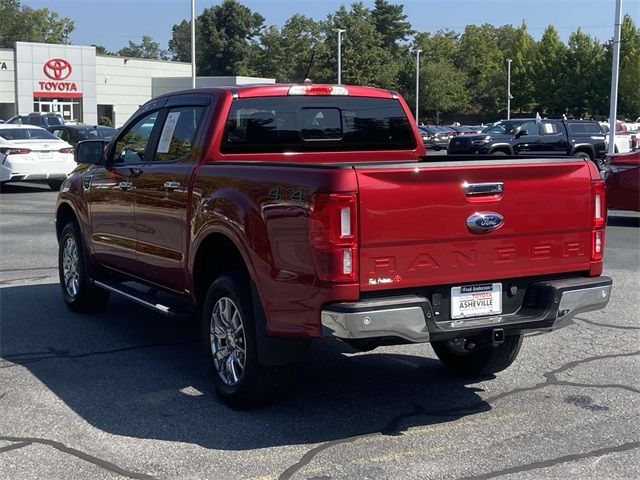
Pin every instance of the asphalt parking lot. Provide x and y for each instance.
(123, 394)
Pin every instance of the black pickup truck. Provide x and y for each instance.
(542, 137)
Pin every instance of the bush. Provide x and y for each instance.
(105, 121)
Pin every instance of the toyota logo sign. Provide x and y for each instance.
(57, 69)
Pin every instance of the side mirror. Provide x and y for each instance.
(522, 133)
(90, 151)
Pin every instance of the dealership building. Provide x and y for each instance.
(83, 86)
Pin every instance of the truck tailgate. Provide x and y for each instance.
(414, 221)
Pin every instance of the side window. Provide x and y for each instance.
(178, 133)
(550, 128)
(61, 134)
(531, 128)
(131, 146)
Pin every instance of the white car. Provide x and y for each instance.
(32, 154)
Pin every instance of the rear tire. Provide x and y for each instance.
(583, 155)
(483, 361)
(55, 185)
(78, 292)
(499, 153)
(230, 346)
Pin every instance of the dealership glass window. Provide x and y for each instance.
(130, 147)
(178, 133)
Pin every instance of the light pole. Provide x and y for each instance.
(417, 81)
(340, 32)
(508, 88)
(193, 43)
(613, 101)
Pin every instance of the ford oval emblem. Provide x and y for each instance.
(484, 221)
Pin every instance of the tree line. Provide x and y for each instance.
(460, 73)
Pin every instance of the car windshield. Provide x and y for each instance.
(505, 128)
(26, 134)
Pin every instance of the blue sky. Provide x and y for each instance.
(112, 23)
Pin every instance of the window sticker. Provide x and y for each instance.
(167, 132)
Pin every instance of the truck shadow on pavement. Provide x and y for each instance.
(130, 372)
(620, 221)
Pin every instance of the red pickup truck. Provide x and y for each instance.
(286, 213)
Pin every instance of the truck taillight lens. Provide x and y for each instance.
(599, 205)
(599, 220)
(333, 237)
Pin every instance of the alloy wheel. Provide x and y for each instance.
(228, 341)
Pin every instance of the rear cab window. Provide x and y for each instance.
(580, 128)
(316, 124)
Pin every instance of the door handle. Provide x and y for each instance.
(126, 185)
(170, 185)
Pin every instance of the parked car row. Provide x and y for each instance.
(30, 153)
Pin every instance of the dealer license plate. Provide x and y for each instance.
(476, 300)
(45, 155)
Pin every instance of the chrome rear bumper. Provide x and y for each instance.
(411, 317)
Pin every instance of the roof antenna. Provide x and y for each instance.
(306, 75)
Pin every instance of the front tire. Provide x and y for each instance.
(483, 361)
(230, 346)
(78, 292)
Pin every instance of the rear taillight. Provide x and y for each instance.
(15, 151)
(333, 237)
(599, 205)
(66, 150)
(599, 220)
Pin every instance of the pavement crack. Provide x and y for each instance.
(391, 429)
(393, 426)
(14, 446)
(555, 461)
(53, 353)
(551, 378)
(606, 325)
(61, 447)
(26, 269)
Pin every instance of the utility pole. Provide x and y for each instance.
(613, 105)
(509, 88)
(417, 82)
(193, 43)
(340, 32)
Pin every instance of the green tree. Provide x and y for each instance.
(364, 60)
(180, 42)
(549, 74)
(629, 80)
(286, 54)
(391, 23)
(147, 48)
(522, 53)
(442, 89)
(584, 92)
(100, 50)
(227, 39)
(484, 64)
(20, 23)
(442, 46)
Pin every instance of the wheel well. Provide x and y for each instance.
(64, 215)
(504, 150)
(216, 255)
